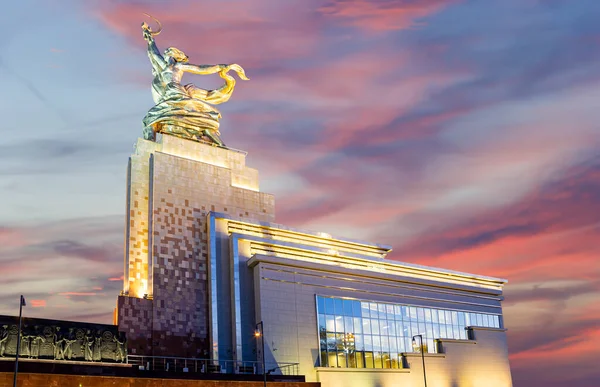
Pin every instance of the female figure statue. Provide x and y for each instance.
(184, 110)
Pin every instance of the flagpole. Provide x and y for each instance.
(21, 305)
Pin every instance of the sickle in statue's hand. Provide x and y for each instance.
(153, 33)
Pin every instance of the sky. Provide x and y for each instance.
(465, 134)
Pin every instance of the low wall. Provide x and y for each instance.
(54, 380)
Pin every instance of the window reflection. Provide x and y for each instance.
(360, 334)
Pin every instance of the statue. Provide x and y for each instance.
(36, 343)
(3, 340)
(121, 352)
(184, 110)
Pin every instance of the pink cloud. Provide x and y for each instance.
(381, 15)
(78, 294)
(38, 303)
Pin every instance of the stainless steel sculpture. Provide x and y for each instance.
(184, 110)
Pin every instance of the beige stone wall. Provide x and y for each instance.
(178, 182)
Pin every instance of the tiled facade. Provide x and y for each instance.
(172, 185)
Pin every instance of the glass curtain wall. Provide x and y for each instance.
(363, 334)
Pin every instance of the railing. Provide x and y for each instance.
(193, 365)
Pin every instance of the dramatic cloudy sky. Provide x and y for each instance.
(466, 134)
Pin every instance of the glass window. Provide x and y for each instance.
(429, 330)
(368, 342)
(389, 310)
(393, 344)
(454, 317)
(366, 325)
(332, 359)
(330, 323)
(436, 331)
(320, 304)
(448, 317)
(443, 334)
(442, 316)
(376, 343)
(427, 315)
(422, 329)
(385, 343)
(373, 308)
(479, 319)
(385, 357)
(394, 360)
(339, 306)
(405, 313)
(397, 312)
(399, 329)
(356, 333)
(339, 324)
(456, 332)
(430, 346)
(374, 326)
(369, 359)
(347, 307)
(414, 328)
(391, 328)
(383, 327)
(377, 359)
(461, 319)
(324, 359)
(488, 321)
(401, 347)
(364, 309)
(331, 345)
(329, 306)
(413, 313)
(381, 308)
(322, 322)
(360, 359)
(406, 329)
(359, 343)
(348, 325)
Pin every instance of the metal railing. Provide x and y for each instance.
(194, 365)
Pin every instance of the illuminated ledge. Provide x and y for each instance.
(456, 341)
(418, 278)
(486, 329)
(278, 231)
(418, 354)
(364, 370)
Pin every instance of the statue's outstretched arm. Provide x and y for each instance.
(156, 59)
(202, 69)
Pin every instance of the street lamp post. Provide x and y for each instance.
(21, 305)
(422, 354)
(261, 333)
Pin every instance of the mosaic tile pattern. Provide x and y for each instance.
(185, 181)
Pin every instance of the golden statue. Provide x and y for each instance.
(184, 110)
